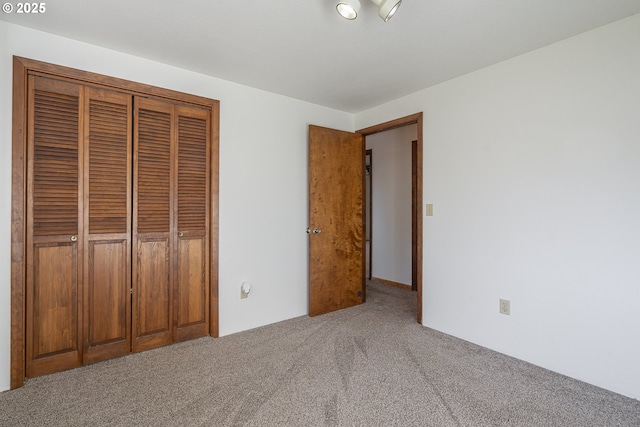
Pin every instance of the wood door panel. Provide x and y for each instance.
(336, 254)
(108, 295)
(107, 207)
(108, 137)
(192, 301)
(53, 343)
(193, 183)
(55, 292)
(192, 209)
(54, 161)
(96, 177)
(153, 217)
(54, 227)
(152, 294)
(153, 156)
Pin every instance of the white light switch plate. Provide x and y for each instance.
(429, 209)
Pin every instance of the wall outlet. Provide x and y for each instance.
(245, 288)
(505, 307)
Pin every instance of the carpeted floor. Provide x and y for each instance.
(372, 365)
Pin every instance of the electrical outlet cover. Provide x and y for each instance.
(505, 307)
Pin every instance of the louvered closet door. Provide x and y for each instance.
(54, 227)
(107, 204)
(154, 136)
(192, 244)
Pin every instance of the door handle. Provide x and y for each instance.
(317, 231)
(73, 238)
(180, 234)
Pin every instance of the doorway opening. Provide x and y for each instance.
(415, 148)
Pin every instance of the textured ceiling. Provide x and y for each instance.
(305, 50)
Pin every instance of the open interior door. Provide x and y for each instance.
(336, 220)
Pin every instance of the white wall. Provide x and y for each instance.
(263, 178)
(533, 167)
(391, 210)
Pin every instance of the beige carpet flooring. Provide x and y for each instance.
(372, 365)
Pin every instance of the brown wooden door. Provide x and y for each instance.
(336, 220)
(192, 243)
(153, 233)
(54, 227)
(107, 204)
(117, 202)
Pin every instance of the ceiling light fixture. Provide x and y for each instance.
(348, 9)
(386, 8)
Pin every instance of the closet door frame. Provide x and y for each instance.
(24, 67)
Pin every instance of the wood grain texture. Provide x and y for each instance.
(108, 291)
(54, 227)
(107, 320)
(55, 158)
(153, 223)
(336, 187)
(214, 192)
(153, 170)
(369, 214)
(108, 136)
(192, 210)
(419, 213)
(104, 217)
(192, 293)
(191, 278)
(134, 88)
(193, 153)
(392, 124)
(152, 293)
(414, 215)
(55, 325)
(107, 216)
(53, 335)
(18, 224)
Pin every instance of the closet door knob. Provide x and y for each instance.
(180, 234)
(73, 238)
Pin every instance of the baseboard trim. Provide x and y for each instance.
(391, 283)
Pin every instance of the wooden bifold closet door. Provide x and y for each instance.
(55, 232)
(171, 200)
(107, 219)
(118, 210)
